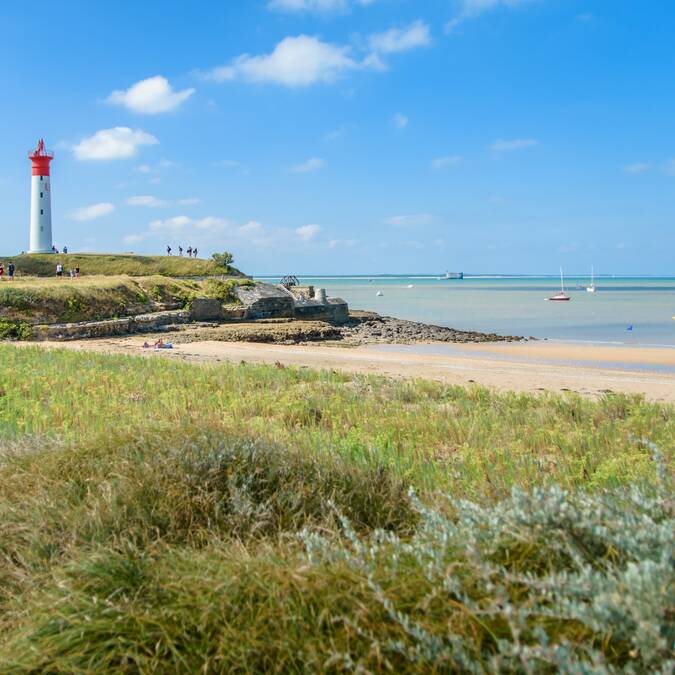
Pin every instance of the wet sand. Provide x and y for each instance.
(590, 370)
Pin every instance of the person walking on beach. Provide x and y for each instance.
(59, 270)
(10, 271)
(168, 250)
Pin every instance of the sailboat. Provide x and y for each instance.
(591, 288)
(562, 296)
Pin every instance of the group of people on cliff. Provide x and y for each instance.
(191, 251)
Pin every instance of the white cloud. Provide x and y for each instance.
(144, 168)
(443, 162)
(638, 167)
(315, 6)
(394, 40)
(308, 232)
(150, 97)
(312, 164)
(670, 167)
(180, 224)
(146, 200)
(135, 238)
(295, 62)
(347, 243)
(400, 121)
(470, 9)
(501, 145)
(115, 143)
(410, 220)
(93, 211)
(250, 228)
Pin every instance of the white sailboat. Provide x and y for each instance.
(562, 296)
(591, 288)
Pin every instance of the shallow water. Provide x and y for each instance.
(518, 306)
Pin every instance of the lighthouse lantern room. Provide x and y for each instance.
(40, 200)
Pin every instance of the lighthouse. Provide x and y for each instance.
(40, 200)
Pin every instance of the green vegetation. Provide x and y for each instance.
(224, 290)
(224, 259)
(44, 265)
(13, 330)
(34, 300)
(157, 516)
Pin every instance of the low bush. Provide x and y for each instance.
(15, 330)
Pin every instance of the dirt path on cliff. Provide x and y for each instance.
(522, 367)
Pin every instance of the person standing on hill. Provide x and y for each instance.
(180, 251)
(194, 252)
(65, 250)
(168, 250)
(189, 251)
(2, 271)
(59, 270)
(10, 271)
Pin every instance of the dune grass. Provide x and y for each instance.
(44, 265)
(157, 516)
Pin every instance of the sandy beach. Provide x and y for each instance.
(591, 370)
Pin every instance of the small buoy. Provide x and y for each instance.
(379, 294)
(630, 327)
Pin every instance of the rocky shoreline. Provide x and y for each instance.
(361, 328)
(369, 327)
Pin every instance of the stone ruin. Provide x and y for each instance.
(269, 301)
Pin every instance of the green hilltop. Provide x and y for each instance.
(44, 265)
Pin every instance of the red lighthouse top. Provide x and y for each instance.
(40, 159)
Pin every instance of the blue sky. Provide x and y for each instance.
(346, 136)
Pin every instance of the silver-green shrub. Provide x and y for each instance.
(551, 581)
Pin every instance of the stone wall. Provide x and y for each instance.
(142, 323)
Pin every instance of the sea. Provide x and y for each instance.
(623, 310)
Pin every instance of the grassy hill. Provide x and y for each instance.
(34, 300)
(157, 516)
(44, 265)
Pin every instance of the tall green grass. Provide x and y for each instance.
(157, 516)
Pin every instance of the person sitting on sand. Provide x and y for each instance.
(146, 345)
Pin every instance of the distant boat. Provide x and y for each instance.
(379, 294)
(453, 275)
(410, 286)
(562, 296)
(591, 288)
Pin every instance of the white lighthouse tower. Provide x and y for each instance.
(40, 200)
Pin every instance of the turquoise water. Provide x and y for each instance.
(517, 305)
